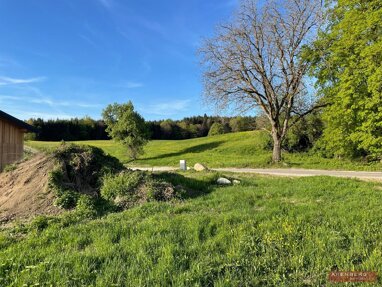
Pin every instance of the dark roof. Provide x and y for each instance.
(17, 122)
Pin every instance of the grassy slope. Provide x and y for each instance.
(230, 150)
(267, 231)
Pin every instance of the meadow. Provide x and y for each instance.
(245, 149)
(265, 232)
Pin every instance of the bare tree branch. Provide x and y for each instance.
(255, 61)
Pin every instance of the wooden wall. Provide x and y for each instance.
(11, 143)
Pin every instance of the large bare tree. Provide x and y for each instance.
(255, 62)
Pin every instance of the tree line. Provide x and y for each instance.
(80, 129)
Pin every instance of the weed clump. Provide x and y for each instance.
(79, 171)
(129, 188)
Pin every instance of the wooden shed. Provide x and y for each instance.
(12, 139)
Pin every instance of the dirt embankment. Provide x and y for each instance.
(24, 191)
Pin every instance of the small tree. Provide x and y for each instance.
(126, 126)
(255, 62)
(216, 129)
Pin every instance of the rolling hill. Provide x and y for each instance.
(245, 149)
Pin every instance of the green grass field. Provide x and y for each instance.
(264, 232)
(246, 149)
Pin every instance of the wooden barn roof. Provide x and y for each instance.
(17, 122)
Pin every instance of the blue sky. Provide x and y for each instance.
(70, 58)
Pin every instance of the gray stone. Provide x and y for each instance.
(223, 181)
(200, 167)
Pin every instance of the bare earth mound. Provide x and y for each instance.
(24, 191)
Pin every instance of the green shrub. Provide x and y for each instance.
(67, 199)
(86, 207)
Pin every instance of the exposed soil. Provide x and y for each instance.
(24, 191)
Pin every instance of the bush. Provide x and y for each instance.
(216, 129)
(86, 207)
(67, 199)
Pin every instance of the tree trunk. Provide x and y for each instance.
(276, 156)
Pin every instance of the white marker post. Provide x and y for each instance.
(183, 165)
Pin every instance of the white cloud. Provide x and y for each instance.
(4, 81)
(167, 109)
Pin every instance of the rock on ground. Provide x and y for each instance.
(200, 167)
(223, 181)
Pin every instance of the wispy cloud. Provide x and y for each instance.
(48, 102)
(4, 81)
(51, 102)
(167, 108)
(27, 114)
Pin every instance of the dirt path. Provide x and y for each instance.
(23, 191)
(289, 172)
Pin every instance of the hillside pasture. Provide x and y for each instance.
(245, 149)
